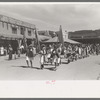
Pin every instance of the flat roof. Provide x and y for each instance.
(16, 21)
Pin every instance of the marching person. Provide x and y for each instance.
(29, 56)
(2, 50)
(58, 54)
(42, 57)
(65, 51)
(48, 55)
(54, 56)
(15, 52)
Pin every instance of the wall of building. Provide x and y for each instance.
(44, 32)
(15, 21)
(7, 23)
(15, 38)
(6, 29)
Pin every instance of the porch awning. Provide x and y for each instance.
(43, 38)
(53, 40)
(10, 36)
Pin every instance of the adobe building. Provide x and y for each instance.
(44, 32)
(13, 31)
(85, 36)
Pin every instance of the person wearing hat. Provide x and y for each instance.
(29, 56)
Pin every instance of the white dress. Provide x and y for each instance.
(41, 58)
(2, 51)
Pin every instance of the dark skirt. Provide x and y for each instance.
(10, 55)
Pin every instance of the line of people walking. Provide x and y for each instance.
(71, 52)
(53, 54)
(74, 52)
(48, 55)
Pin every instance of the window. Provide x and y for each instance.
(3, 24)
(14, 30)
(22, 30)
(29, 32)
(7, 25)
(18, 27)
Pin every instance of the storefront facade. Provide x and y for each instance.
(14, 32)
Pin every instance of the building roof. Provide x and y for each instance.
(15, 21)
(55, 39)
(43, 38)
(71, 41)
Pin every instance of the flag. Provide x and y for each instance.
(24, 38)
(60, 36)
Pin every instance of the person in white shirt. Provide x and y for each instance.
(2, 50)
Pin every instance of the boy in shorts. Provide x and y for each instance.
(29, 56)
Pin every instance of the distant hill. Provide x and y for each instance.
(87, 31)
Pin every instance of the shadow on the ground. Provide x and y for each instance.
(26, 67)
(35, 68)
(47, 64)
(64, 62)
(21, 66)
(51, 69)
(11, 59)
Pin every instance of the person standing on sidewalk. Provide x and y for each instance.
(29, 56)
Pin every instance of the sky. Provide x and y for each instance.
(72, 17)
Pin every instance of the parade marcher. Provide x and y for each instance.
(29, 55)
(76, 52)
(2, 51)
(42, 57)
(10, 51)
(65, 51)
(44, 52)
(97, 49)
(21, 49)
(51, 52)
(58, 54)
(48, 56)
(55, 58)
(54, 55)
(15, 52)
(80, 52)
(34, 50)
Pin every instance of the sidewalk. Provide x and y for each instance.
(4, 58)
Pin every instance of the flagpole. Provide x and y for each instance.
(60, 36)
(37, 40)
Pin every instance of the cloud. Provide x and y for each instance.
(50, 16)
